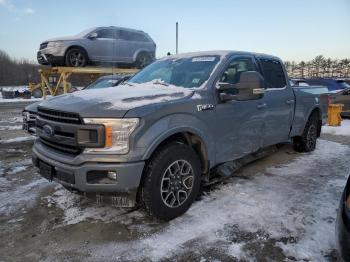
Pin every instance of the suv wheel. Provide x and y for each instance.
(171, 182)
(307, 141)
(76, 57)
(142, 60)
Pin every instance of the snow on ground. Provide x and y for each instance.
(77, 208)
(12, 120)
(17, 127)
(342, 130)
(17, 139)
(14, 199)
(291, 205)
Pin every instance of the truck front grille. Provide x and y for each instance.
(59, 116)
(74, 150)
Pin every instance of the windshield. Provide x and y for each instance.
(102, 83)
(183, 72)
(85, 32)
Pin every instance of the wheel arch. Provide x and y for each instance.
(188, 137)
(138, 52)
(76, 46)
(317, 112)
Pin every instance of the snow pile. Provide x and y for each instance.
(17, 139)
(343, 130)
(2, 128)
(19, 89)
(77, 208)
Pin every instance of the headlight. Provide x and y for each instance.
(55, 44)
(117, 134)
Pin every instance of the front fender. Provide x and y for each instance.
(178, 123)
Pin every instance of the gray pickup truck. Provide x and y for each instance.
(179, 123)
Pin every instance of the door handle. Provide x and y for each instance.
(261, 106)
(289, 102)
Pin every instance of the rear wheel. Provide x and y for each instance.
(76, 57)
(143, 60)
(307, 141)
(171, 182)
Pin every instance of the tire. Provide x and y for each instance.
(142, 60)
(173, 168)
(76, 57)
(307, 141)
(37, 93)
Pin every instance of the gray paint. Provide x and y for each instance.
(229, 131)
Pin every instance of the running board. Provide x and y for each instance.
(225, 170)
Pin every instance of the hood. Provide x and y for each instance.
(33, 107)
(62, 38)
(116, 101)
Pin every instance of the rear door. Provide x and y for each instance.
(125, 46)
(239, 124)
(278, 102)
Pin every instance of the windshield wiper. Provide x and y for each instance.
(127, 83)
(160, 83)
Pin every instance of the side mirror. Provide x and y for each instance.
(92, 36)
(249, 87)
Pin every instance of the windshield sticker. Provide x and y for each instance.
(203, 59)
(195, 80)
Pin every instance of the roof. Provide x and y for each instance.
(221, 53)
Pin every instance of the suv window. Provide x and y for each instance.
(105, 33)
(132, 36)
(233, 71)
(273, 73)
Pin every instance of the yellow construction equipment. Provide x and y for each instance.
(63, 73)
(334, 118)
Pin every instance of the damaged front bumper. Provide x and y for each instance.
(109, 183)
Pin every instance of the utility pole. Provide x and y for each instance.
(177, 37)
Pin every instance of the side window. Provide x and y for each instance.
(132, 36)
(233, 72)
(273, 73)
(105, 33)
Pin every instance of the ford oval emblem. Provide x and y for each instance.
(48, 130)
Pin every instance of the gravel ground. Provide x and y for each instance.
(280, 208)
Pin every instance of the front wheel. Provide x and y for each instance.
(76, 57)
(171, 182)
(307, 141)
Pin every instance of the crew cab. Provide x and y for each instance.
(177, 124)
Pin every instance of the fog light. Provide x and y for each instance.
(112, 175)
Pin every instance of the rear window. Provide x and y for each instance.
(273, 73)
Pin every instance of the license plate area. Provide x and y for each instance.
(46, 171)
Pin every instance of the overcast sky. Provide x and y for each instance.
(291, 29)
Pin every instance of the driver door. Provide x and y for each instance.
(103, 47)
(239, 124)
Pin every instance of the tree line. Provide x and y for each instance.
(319, 67)
(21, 72)
(17, 72)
